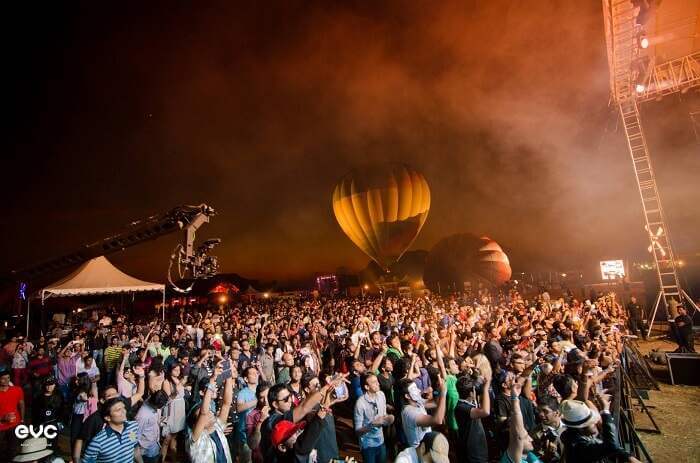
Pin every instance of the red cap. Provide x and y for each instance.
(284, 430)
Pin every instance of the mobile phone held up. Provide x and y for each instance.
(340, 391)
(226, 374)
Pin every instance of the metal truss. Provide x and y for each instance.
(678, 75)
(633, 81)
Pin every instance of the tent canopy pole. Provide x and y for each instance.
(29, 303)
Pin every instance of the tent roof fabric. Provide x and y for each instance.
(98, 276)
(251, 290)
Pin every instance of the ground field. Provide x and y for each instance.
(676, 411)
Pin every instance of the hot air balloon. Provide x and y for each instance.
(464, 257)
(382, 209)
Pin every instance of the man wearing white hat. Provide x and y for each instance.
(582, 443)
(433, 448)
(36, 450)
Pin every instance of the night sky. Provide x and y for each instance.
(120, 110)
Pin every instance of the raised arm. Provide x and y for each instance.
(356, 354)
(308, 404)
(141, 387)
(411, 371)
(148, 336)
(122, 364)
(527, 385)
(517, 434)
(65, 348)
(378, 360)
(228, 400)
(255, 436)
(485, 409)
(438, 418)
(204, 408)
(441, 361)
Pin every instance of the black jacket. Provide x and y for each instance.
(304, 445)
(592, 449)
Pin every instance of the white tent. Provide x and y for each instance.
(96, 277)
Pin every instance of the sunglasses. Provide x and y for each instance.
(286, 399)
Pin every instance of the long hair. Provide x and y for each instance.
(82, 383)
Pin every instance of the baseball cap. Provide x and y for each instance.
(283, 430)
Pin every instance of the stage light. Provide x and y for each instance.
(222, 299)
(680, 263)
(640, 88)
(644, 42)
(563, 275)
(266, 295)
(366, 286)
(79, 310)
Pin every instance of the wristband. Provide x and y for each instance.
(513, 397)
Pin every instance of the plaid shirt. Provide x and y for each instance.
(204, 450)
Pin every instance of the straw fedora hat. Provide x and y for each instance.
(33, 449)
(576, 414)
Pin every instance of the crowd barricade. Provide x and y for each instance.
(632, 381)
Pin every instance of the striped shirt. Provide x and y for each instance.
(109, 446)
(112, 356)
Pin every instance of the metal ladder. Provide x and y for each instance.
(653, 213)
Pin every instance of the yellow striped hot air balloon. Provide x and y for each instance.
(382, 209)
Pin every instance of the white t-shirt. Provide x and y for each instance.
(414, 433)
(409, 455)
(92, 371)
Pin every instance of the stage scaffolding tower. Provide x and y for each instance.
(636, 32)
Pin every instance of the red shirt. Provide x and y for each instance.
(42, 366)
(9, 403)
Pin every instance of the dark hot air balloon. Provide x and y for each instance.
(464, 257)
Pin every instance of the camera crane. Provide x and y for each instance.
(189, 262)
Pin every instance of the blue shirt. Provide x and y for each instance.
(109, 446)
(245, 395)
(366, 410)
(148, 421)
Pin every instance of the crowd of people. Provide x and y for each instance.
(466, 377)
